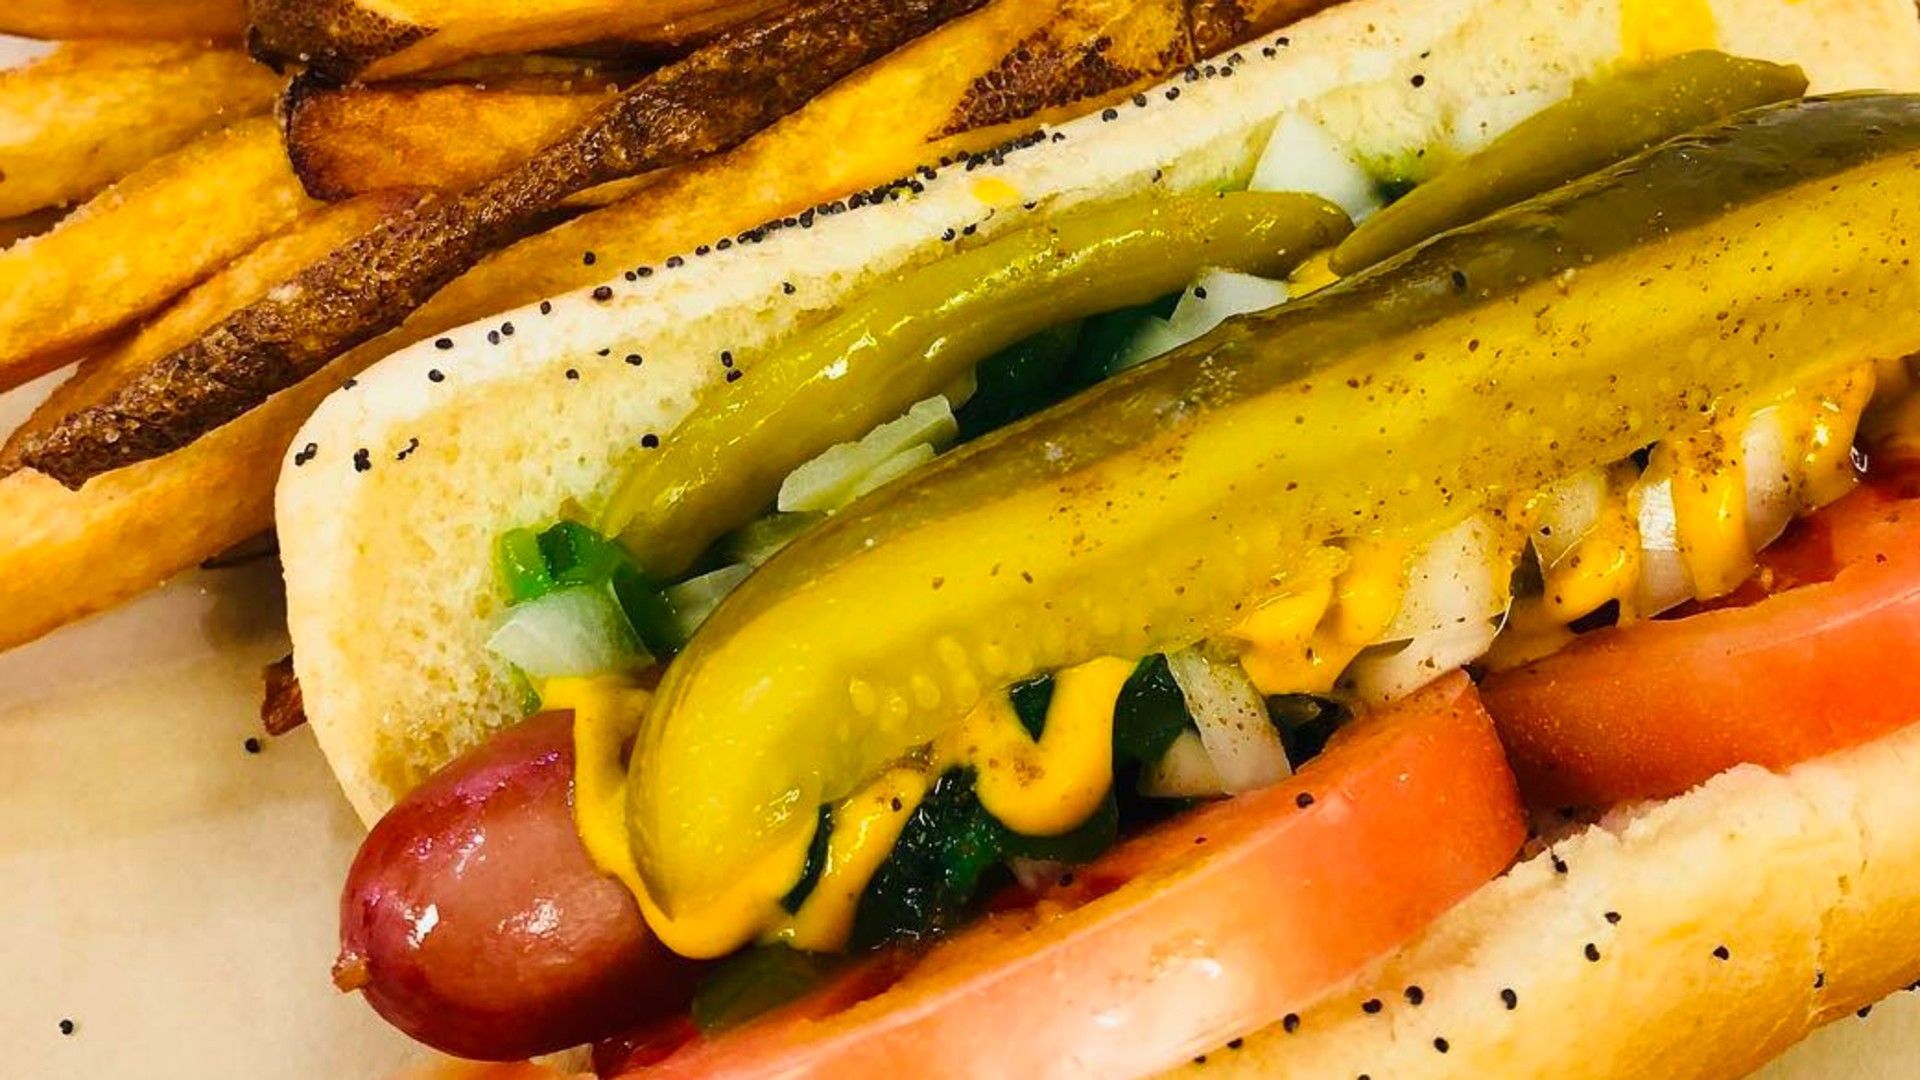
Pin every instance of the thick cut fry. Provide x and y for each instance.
(153, 20)
(711, 101)
(68, 554)
(89, 113)
(722, 196)
(365, 138)
(382, 39)
(16, 229)
(140, 243)
(965, 88)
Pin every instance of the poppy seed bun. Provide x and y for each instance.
(392, 496)
(1728, 923)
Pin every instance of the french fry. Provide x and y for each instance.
(88, 113)
(385, 39)
(924, 102)
(348, 140)
(140, 243)
(162, 509)
(155, 20)
(70, 553)
(15, 229)
(709, 101)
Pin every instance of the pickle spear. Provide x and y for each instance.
(1637, 304)
(914, 337)
(1597, 125)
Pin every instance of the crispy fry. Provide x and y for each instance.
(964, 88)
(711, 101)
(154, 20)
(160, 506)
(389, 38)
(15, 229)
(71, 553)
(88, 113)
(355, 139)
(140, 243)
(1219, 25)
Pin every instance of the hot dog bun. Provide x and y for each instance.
(1808, 879)
(392, 495)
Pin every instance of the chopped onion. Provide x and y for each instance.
(832, 480)
(1459, 579)
(1232, 718)
(1387, 673)
(1035, 875)
(1772, 471)
(1154, 338)
(1219, 295)
(962, 388)
(1183, 772)
(1664, 582)
(1569, 510)
(1302, 156)
(764, 537)
(693, 600)
(573, 632)
(894, 468)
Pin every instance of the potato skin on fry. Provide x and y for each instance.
(713, 100)
(70, 553)
(140, 243)
(357, 39)
(152, 20)
(883, 129)
(87, 114)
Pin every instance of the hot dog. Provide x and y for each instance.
(927, 716)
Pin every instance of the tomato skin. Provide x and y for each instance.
(1652, 709)
(1213, 924)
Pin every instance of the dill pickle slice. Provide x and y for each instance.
(1644, 302)
(910, 339)
(1600, 123)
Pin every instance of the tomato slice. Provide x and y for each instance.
(1652, 709)
(1207, 927)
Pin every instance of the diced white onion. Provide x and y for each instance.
(1154, 338)
(1183, 772)
(1386, 673)
(1459, 579)
(893, 468)
(765, 537)
(962, 388)
(1232, 719)
(1219, 295)
(693, 600)
(569, 633)
(1569, 510)
(1302, 156)
(1664, 582)
(1772, 471)
(1036, 874)
(833, 479)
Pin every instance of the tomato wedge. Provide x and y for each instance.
(1214, 924)
(1652, 709)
